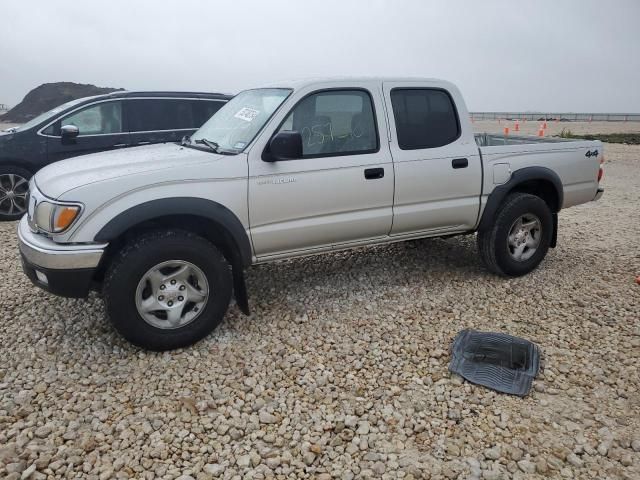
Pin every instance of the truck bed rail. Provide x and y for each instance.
(491, 140)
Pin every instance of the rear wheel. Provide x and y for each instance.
(520, 236)
(167, 290)
(14, 188)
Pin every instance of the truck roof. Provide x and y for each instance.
(167, 93)
(303, 82)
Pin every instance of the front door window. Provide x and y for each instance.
(335, 122)
(101, 119)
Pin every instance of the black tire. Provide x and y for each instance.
(136, 259)
(493, 242)
(19, 201)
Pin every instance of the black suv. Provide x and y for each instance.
(95, 124)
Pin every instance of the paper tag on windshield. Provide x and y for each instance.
(247, 114)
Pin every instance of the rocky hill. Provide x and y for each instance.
(48, 96)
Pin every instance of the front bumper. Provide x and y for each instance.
(598, 194)
(62, 269)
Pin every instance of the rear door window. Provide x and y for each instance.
(148, 115)
(425, 118)
(203, 110)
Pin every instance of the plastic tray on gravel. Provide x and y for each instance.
(498, 361)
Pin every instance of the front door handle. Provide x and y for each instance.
(373, 173)
(144, 143)
(120, 145)
(459, 163)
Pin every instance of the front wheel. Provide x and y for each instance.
(14, 190)
(167, 290)
(520, 236)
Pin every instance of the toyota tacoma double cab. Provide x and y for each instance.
(167, 231)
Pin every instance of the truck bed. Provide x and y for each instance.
(576, 162)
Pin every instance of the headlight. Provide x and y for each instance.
(55, 218)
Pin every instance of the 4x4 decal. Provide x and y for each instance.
(590, 154)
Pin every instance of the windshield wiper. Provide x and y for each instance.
(212, 145)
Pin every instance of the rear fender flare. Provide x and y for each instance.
(497, 196)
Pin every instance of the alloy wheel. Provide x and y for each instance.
(172, 294)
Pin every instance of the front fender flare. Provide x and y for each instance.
(180, 206)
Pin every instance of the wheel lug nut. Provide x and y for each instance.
(161, 297)
(182, 287)
(180, 298)
(170, 303)
(173, 282)
(162, 287)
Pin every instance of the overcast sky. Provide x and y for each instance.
(571, 55)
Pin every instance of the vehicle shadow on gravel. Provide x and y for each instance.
(297, 286)
(363, 271)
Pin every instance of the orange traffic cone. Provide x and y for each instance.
(517, 126)
(541, 132)
(544, 125)
(506, 131)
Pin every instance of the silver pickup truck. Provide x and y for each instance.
(299, 168)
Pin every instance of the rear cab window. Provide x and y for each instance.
(424, 117)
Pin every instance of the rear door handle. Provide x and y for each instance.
(459, 163)
(373, 173)
(144, 143)
(120, 145)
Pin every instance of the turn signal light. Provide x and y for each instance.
(600, 174)
(64, 216)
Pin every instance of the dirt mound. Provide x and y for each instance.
(48, 96)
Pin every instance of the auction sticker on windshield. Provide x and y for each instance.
(247, 114)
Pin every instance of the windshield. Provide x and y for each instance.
(44, 116)
(237, 123)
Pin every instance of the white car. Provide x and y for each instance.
(300, 168)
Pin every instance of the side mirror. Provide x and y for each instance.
(284, 146)
(69, 132)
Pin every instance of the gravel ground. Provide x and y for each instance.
(341, 370)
